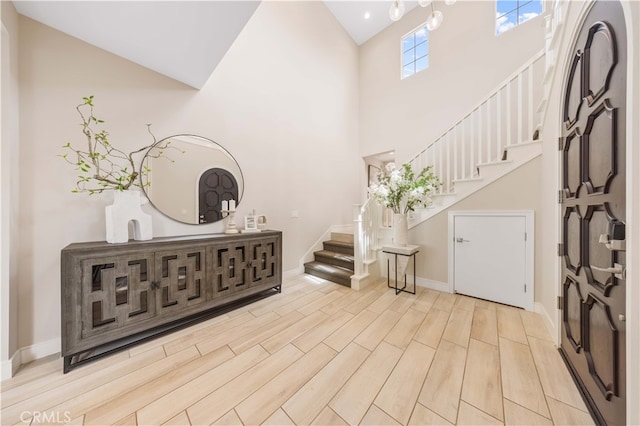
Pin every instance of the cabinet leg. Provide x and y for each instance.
(67, 364)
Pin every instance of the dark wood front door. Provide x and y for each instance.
(593, 213)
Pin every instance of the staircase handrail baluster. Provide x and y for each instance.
(367, 223)
(505, 83)
(493, 139)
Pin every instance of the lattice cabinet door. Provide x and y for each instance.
(116, 292)
(179, 279)
(229, 268)
(265, 255)
(114, 295)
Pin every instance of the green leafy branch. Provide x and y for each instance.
(101, 165)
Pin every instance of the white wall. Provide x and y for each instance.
(9, 355)
(466, 62)
(283, 101)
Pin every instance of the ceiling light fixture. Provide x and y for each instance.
(397, 10)
(434, 20)
(367, 15)
(435, 17)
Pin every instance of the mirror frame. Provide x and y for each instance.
(222, 151)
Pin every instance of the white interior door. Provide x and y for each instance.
(490, 258)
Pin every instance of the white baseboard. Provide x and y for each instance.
(427, 283)
(28, 354)
(551, 327)
(292, 273)
(6, 369)
(40, 350)
(10, 366)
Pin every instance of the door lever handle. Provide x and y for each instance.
(462, 240)
(617, 269)
(613, 245)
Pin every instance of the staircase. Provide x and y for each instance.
(335, 261)
(495, 137)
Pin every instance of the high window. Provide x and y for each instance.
(510, 13)
(415, 51)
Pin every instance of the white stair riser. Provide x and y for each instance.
(443, 199)
(488, 171)
(466, 186)
(523, 151)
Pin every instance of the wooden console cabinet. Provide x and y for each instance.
(115, 295)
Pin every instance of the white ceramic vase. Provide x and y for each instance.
(400, 229)
(126, 208)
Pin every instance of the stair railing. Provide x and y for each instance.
(366, 235)
(505, 117)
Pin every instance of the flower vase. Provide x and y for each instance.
(126, 208)
(400, 229)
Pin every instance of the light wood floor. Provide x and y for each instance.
(319, 353)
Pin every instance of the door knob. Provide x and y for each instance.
(618, 270)
(462, 240)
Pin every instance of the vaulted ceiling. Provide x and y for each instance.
(363, 19)
(184, 40)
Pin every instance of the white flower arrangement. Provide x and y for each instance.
(402, 191)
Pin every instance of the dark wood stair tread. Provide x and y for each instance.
(337, 259)
(339, 243)
(333, 273)
(338, 246)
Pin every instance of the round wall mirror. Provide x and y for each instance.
(188, 178)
